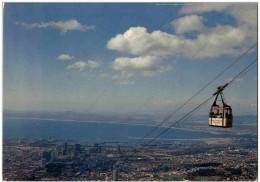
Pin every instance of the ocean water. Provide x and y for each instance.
(89, 132)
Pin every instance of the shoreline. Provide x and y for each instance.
(111, 122)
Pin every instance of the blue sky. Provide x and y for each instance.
(112, 58)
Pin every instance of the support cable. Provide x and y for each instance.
(245, 70)
(167, 118)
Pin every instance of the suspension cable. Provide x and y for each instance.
(169, 116)
(242, 72)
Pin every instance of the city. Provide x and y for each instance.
(47, 160)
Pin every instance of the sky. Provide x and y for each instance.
(139, 58)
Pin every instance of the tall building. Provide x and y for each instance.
(59, 151)
(96, 145)
(118, 150)
(115, 175)
(77, 147)
(43, 162)
(47, 155)
(77, 150)
(53, 154)
(65, 151)
(99, 149)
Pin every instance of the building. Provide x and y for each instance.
(77, 150)
(99, 149)
(65, 151)
(78, 147)
(43, 162)
(118, 150)
(47, 155)
(115, 175)
(53, 155)
(96, 145)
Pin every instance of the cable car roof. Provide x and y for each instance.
(222, 108)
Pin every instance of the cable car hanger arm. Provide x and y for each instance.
(220, 89)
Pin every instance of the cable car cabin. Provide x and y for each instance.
(220, 115)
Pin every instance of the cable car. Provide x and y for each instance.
(220, 115)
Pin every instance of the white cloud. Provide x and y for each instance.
(81, 65)
(123, 74)
(204, 7)
(149, 48)
(138, 63)
(65, 57)
(215, 42)
(93, 64)
(64, 26)
(187, 24)
(77, 65)
(148, 66)
(125, 82)
(157, 71)
(246, 17)
(244, 13)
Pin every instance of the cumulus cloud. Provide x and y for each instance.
(157, 71)
(65, 57)
(147, 65)
(93, 64)
(138, 63)
(81, 65)
(246, 17)
(204, 7)
(123, 74)
(244, 13)
(215, 42)
(150, 48)
(187, 24)
(64, 26)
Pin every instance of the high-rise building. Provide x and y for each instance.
(53, 154)
(65, 151)
(47, 155)
(77, 147)
(118, 150)
(99, 149)
(59, 151)
(77, 150)
(96, 145)
(115, 175)
(43, 162)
